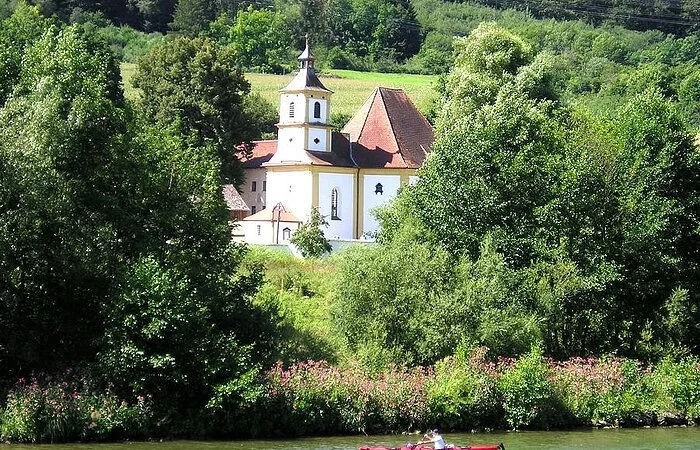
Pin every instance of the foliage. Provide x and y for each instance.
(196, 87)
(127, 44)
(70, 409)
(59, 160)
(259, 38)
(309, 238)
(677, 386)
(469, 391)
(17, 32)
(315, 398)
(527, 391)
(115, 243)
(464, 394)
(191, 17)
(572, 205)
(299, 290)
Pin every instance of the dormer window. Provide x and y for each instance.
(291, 109)
(317, 110)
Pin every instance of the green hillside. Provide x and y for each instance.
(351, 88)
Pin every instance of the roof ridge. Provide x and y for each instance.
(364, 119)
(393, 130)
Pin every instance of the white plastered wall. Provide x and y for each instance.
(300, 108)
(345, 183)
(256, 198)
(324, 110)
(322, 135)
(290, 146)
(265, 232)
(291, 188)
(390, 186)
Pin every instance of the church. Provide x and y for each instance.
(345, 175)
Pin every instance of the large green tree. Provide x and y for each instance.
(197, 88)
(115, 249)
(58, 245)
(17, 32)
(563, 228)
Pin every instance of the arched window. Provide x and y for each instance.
(291, 109)
(379, 189)
(317, 110)
(334, 204)
(286, 233)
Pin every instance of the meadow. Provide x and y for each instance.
(351, 88)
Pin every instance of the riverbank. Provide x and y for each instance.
(460, 394)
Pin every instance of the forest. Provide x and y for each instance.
(542, 273)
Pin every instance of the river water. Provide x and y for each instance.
(680, 438)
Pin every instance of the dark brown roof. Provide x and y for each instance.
(234, 201)
(305, 80)
(388, 131)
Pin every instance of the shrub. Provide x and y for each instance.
(527, 391)
(463, 395)
(317, 398)
(677, 386)
(49, 410)
(580, 383)
(629, 400)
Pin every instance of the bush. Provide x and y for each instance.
(463, 395)
(580, 383)
(628, 401)
(316, 398)
(527, 392)
(128, 44)
(677, 387)
(61, 411)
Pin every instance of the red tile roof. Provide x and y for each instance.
(339, 156)
(262, 152)
(388, 131)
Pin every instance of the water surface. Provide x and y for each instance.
(679, 438)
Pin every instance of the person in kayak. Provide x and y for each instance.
(434, 437)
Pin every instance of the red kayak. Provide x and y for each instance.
(430, 447)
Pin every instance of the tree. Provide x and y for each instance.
(59, 239)
(17, 33)
(309, 238)
(193, 16)
(196, 87)
(260, 39)
(115, 248)
(581, 228)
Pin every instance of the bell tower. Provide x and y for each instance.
(304, 114)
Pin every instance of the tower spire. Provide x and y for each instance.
(306, 59)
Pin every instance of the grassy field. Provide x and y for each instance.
(351, 88)
(128, 71)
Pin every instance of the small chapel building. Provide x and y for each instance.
(345, 175)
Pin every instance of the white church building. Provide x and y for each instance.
(345, 175)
